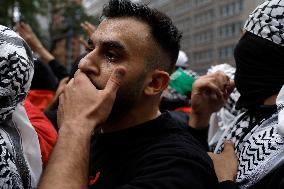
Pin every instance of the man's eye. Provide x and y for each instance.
(110, 56)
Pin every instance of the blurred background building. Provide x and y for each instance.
(211, 28)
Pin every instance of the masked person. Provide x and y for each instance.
(20, 157)
(256, 133)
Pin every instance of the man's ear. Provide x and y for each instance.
(157, 83)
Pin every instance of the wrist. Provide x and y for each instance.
(75, 130)
(199, 121)
(44, 54)
(38, 48)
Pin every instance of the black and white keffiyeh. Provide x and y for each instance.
(258, 133)
(259, 147)
(16, 70)
(20, 157)
(267, 21)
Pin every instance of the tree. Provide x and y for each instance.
(12, 11)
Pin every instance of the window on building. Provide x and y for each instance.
(203, 56)
(204, 17)
(226, 52)
(231, 9)
(183, 8)
(203, 37)
(201, 2)
(230, 30)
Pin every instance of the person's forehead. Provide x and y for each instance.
(127, 31)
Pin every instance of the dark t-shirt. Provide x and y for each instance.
(156, 154)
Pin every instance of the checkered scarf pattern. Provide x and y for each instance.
(16, 71)
(267, 21)
(20, 157)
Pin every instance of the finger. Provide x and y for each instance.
(115, 80)
(23, 31)
(25, 26)
(222, 80)
(62, 85)
(70, 83)
(211, 89)
(28, 27)
(83, 25)
(91, 27)
(229, 147)
(77, 73)
(231, 86)
(64, 81)
(81, 78)
(60, 110)
(87, 28)
(83, 42)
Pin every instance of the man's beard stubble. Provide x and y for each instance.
(126, 99)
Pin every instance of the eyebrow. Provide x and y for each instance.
(109, 44)
(113, 45)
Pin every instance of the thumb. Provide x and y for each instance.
(115, 80)
(231, 87)
(229, 147)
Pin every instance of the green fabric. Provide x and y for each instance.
(181, 82)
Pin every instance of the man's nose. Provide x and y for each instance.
(89, 64)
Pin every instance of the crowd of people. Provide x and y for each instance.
(132, 114)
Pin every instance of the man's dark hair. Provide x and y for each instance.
(162, 28)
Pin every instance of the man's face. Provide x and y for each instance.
(120, 42)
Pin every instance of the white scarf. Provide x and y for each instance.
(20, 157)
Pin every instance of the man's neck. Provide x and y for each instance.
(134, 117)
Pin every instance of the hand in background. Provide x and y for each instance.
(209, 94)
(225, 163)
(54, 103)
(89, 29)
(30, 37)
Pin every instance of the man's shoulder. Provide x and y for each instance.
(169, 138)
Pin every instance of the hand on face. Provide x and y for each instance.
(82, 106)
(210, 93)
(226, 163)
